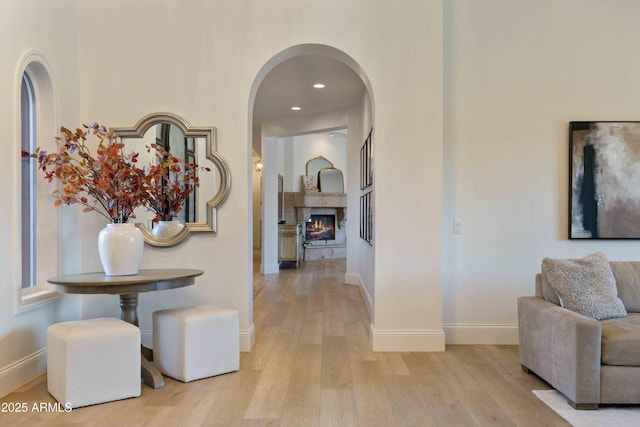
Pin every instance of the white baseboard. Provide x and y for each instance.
(247, 338)
(396, 340)
(19, 373)
(406, 340)
(355, 279)
(352, 279)
(269, 268)
(428, 340)
(481, 334)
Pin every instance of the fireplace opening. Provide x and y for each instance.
(321, 227)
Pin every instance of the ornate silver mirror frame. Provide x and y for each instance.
(209, 135)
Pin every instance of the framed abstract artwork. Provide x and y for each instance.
(604, 182)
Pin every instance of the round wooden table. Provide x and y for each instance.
(128, 287)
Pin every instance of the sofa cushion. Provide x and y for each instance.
(627, 274)
(621, 341)
(585, 285)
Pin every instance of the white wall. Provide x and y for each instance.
(306, 147)
(256, 190)
(360, 255)
(26, 30)
(406, 76)
(287, 158)
(217, 49)
(270, 154)
(515, 74)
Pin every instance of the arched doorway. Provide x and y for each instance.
(356, 118)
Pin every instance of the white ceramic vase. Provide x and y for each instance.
(167, 228)
(120, 247)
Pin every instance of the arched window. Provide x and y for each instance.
(37, 226)
(28, 130)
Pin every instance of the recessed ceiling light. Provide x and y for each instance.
(296, 108)
(319, 85)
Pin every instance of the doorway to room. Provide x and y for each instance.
(305, 103)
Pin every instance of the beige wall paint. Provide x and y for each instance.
(516, 73)
(408, 177)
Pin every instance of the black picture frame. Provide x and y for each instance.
(370, 161)
(362, 217)
(604, 168)
(366, 162)
(366, 217)
(362, 167)
(369, 218)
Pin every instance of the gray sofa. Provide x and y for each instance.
(589, 361)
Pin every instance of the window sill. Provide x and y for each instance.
(32, 299)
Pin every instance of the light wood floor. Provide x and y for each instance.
(312, 366)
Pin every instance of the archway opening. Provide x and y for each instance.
(334, 102)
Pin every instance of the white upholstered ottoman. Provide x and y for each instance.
(93, 361)
(196, 342)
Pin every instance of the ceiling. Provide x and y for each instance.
(291, 84)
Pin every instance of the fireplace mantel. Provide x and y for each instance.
(305, 202)
(298, 208)
(320, 200)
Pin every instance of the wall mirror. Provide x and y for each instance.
(314, 165)
(330, 180)
(194, 145)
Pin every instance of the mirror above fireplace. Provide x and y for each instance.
(330, 180)
(314, 165)
(322, 176)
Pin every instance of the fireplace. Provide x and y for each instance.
(321, 227)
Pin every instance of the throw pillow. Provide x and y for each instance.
(548, 292)
(585, 285)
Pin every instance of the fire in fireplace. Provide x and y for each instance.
(321, 227)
